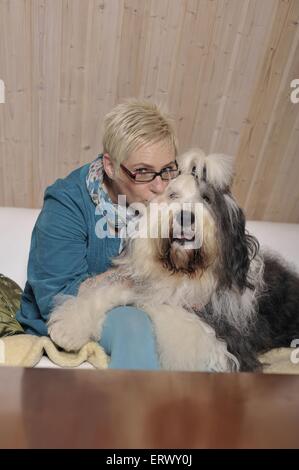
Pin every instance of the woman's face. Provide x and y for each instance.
(149, 157)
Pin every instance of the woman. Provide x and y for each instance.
(68, 250)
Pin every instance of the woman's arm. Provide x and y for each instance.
(58, 254)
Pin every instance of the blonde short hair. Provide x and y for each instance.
(133, 124)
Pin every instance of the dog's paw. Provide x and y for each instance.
(67, 330)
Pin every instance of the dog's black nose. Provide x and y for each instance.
(185, 218)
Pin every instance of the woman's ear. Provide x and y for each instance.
(108, 165)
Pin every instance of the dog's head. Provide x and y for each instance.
(225, 242)
(196, 225)
(186, 232)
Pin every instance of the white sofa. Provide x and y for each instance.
(16, 225)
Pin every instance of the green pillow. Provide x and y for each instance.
(10, 298)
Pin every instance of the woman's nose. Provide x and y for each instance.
(158, 185)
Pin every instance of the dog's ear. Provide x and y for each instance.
(220, 170)
(237, 247)
(216, 168)
(192, 162)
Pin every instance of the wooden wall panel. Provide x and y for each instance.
(271, 118)
(222, 67)
(16, 156)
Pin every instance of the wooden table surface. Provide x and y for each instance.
(52, 408)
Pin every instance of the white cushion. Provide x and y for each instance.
(278, 237)
(15, 227)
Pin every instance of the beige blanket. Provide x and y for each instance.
(281, 361)
(27, 350)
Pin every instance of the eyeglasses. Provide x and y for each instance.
(166, 174)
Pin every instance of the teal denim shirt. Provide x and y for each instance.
(64, 251)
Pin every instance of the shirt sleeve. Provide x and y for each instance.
(58, 254)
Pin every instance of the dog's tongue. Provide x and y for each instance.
(188, 235)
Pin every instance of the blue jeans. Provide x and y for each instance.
(128, 337)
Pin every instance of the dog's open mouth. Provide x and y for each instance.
(181, 254)
(183, 229)
(184, 240)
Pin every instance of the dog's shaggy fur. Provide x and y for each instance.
(214, 307)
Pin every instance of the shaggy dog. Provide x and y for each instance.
(216, 301)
